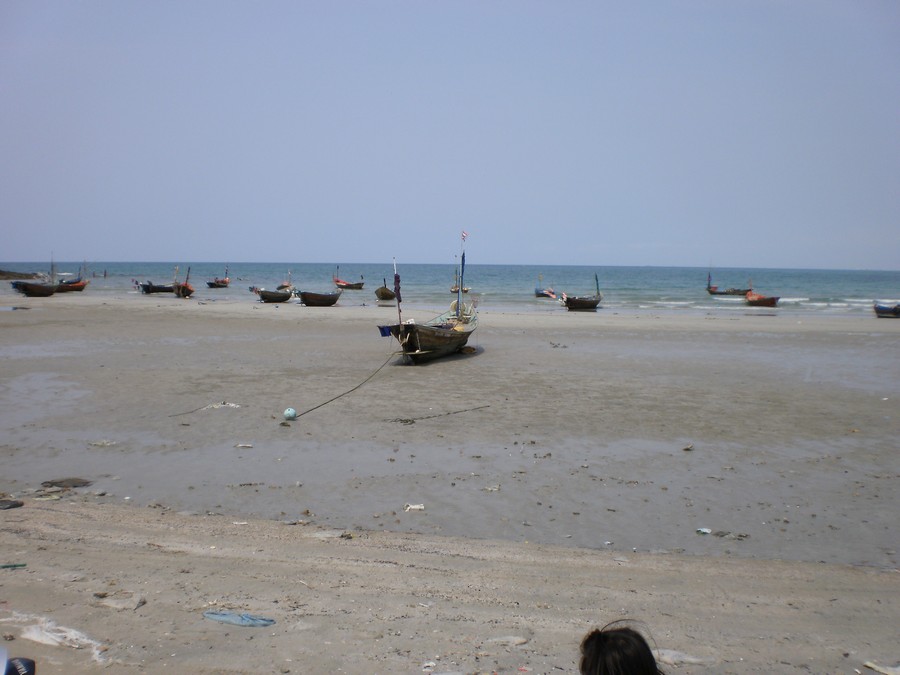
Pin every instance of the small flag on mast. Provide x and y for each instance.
(464, 235)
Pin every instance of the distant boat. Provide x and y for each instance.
(273, 296)
(714, 290)
(443, 335)
(347, 285)
(311, 299)
(287, 284)
(887, 311)
(220, 283)
(385, 293)
(542, 292)
(183, 290)
(757, 300)
(583, 303)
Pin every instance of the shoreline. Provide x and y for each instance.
(566, 451)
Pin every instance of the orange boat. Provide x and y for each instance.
(757, 300)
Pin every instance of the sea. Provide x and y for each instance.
(511, 288)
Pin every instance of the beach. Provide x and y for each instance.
(727, 479)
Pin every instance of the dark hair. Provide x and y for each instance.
(617, 649)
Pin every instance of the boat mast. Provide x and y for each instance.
(462, 271)
(397, 290)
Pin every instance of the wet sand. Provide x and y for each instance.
(563, 469)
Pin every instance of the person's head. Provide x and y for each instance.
(616, 649)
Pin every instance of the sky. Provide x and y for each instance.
(725, 133)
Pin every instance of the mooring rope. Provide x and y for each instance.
(349, 391)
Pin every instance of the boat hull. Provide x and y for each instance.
(583, 303)
(311, 299)
(887, 311)
(274, 296)
(728, 291)
(76, 285)
(149, 287)
(757, 300)
(35, 289)
(385, 293)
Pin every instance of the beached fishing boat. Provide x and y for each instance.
(384, 293)
(758, 300)
(273, 296)
(183, 290)
(38, 289)
(220, 282)
(77, 284)
(347, 285)
(440, 336)
(149, 287)
(583, 303)
(883, 311)
(35, 289)
(71, 285)
(312, 299)
(714, 290)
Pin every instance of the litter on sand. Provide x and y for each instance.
(413, 507)
(238, 619)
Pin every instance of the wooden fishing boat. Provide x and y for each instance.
(312, 299)
(78, 284)
(714, 290)
(183, 290)
(583, 303)
(347, 285)
(445, 334)
(149, 287)
(273, 296)
(883, 311)
(219, 282)
(385, 293)
(440, 336)
(758, 300)
(35, 289)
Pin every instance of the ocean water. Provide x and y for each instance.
(510, 288)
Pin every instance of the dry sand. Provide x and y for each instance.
(564, 469)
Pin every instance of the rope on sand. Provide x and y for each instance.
(413, 420)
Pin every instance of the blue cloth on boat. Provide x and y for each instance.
(385, 331)
(238, 619)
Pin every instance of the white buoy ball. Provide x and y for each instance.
(290, 414)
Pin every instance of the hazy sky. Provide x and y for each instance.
(757, 133)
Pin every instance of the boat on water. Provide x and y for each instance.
(384, 293)
(274, 296)
(757, 300)
(541, 291)
(287, 284)
(583, 303)
(347, 285)
(714, 290)
(883, 311)
(440, 336)
(218, 282)
(183, 290)
(312, 299)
